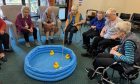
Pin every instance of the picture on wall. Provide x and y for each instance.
(80, 2)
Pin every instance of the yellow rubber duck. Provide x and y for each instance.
(51, 53)
(67, 56)
(56, 65)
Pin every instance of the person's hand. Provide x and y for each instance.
(26, 27)
(115, 36)
(93, 27)
(1, 32)
(31, 30)
(112, 52)
(103, 32)
(64, 29)
(115, 48)
(53, 23)
(75, 24)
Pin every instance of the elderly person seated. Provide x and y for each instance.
(49, 20)
(4, 39)
(124, 53)
(73, 23)
(108, 35)
(25, 25)
(97, 24)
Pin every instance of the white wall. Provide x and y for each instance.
(125, 6)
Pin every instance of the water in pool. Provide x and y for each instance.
(44, 61)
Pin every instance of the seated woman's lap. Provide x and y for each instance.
(104, 60)
(108, 42)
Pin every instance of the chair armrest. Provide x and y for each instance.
(8, 25)
(135, 66)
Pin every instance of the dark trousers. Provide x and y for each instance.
(72, 30)
(4, 39)
(105, 60)
(26, 34)
(100, 44)
(88, 35)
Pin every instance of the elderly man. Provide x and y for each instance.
(107, 36)
(73, 23)
(51, 21)
(96, 26)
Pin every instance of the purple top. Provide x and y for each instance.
(20, 22)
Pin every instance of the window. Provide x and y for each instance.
(61, 3)
(33, 4)
(1, 13)
(1, 3)
(44, 2)
(13, 2)
(62, 13)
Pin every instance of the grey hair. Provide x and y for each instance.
(74, 7)
(111, 11)
(23, 8)
(123, 26)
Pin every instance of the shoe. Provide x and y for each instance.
(47, 42)
(88, 69)
(86, 54)
(65, 41)
(27, 44)
(36, 43)
(85, 46)
(70, 42)
(52, 41)
(8, 50)
(4, 59)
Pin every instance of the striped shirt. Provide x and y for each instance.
(128, 56)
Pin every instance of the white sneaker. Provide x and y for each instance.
(27, 44)
(37, 43)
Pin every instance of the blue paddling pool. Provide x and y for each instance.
(50, 63)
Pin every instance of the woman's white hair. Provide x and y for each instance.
(74, 7)
(24, 8)
(124, 26)
(111, 11)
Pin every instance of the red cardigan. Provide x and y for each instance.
(2, 25)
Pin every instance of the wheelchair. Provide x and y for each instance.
(130, 73)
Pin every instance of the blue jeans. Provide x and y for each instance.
(71, 29)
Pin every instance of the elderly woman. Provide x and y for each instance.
(97, 24)
(125, 53)
(73, 23)
(49, 22)
(25, 26)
